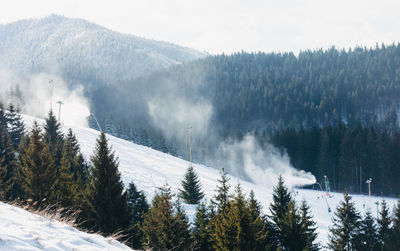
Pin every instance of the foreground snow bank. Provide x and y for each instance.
(22, 230)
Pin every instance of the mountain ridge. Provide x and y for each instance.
(79, 49)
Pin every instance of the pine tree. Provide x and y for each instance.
(201, 229)
(221, 199)
(346, 223)
(292, 234)
(368, 237)
(138, 207)
(38, 168)
(16, 127)
(106, 198)
(309, 227)
(259, 227)
(165, 227)
(191, 192)
(8, 168)
(279, 208)
(3, 117)
(383, 224)
(393, 241)
(65, 187)
(54, 138)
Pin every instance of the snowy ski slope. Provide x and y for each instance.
(150, 169)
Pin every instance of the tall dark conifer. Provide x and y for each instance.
(106, 197)
(309, 227)
(346, 226)
(54, 137)
(383, 224)
(165, 227)
(16, 127)
(279, 208)
(9, 175)
(191, 189)
(38, 168)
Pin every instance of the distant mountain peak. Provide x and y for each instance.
(84, 50)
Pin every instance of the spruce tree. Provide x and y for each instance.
(221, 199)
(165, 227)
(8, 168)
(346, 226)
(106, 198)
(16, 127)
(232, 229)
(393, 241)
(309, 227)
(259, 226)
(279, 208)
(368, 236)
(201, 229)
(54, 137)
(39, 172)
(65, 187)
(191, 189)
(292, 234)
(138, 207)
(383, 224)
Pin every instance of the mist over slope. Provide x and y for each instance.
(150, 169)
(80, 50)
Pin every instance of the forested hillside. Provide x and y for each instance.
(315, 93)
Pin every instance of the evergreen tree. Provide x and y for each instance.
(292, 234)
(383, 224)
(165, 227)
(259, 227)
(65, 187)
(191, 192)
(346, 226)
(393, 241)
(368, 237)
(106, 198)
(221, 199)
(279, 208)
(54, 137)
(138, 207)
(201, 229)
(9, 185)
(38, 168)
(3, 117)
(309, 227)
(16, 127)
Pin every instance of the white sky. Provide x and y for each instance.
(229, 26)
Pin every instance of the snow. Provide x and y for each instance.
(22, 230)
(150, 169)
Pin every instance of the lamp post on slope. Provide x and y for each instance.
(59, 110)
(369, 191)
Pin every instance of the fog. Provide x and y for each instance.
(39, 93)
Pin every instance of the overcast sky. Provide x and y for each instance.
(228, 26)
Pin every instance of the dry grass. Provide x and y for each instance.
(52, 212)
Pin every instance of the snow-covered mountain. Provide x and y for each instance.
(150, 169)
(22, 230)
(78, 49)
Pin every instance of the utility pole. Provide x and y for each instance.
(360, 179)
(369, 191)
(190, 145)
(51, 83)
(59, 110)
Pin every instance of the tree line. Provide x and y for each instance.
(347, 156)
(45, 167)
